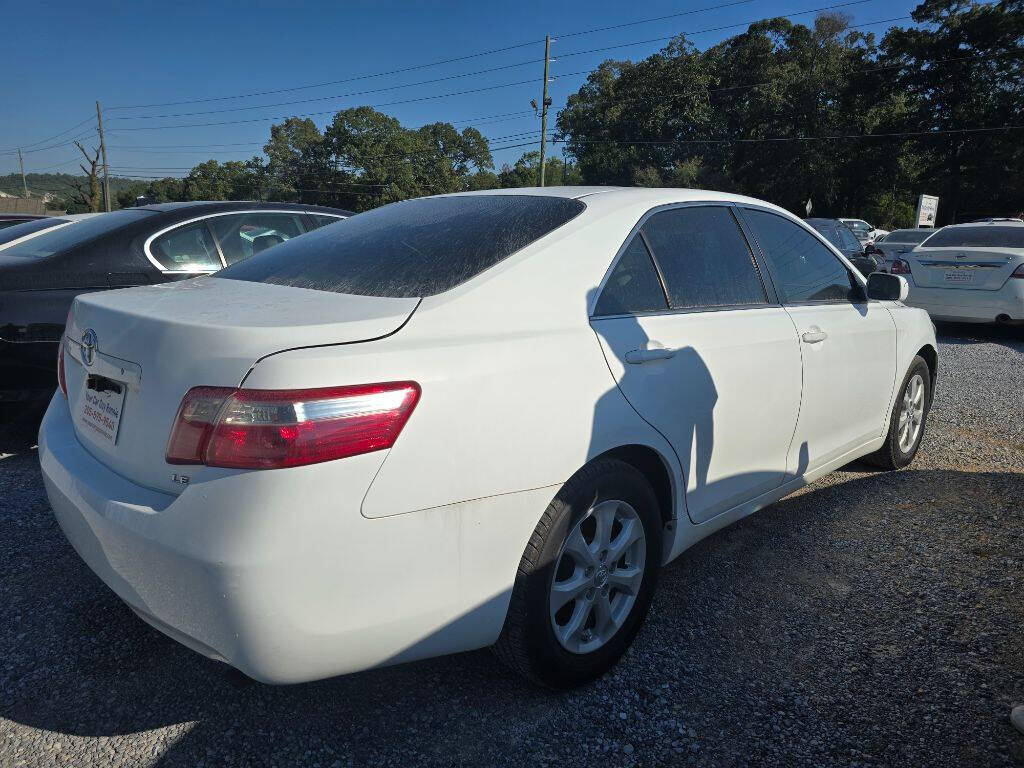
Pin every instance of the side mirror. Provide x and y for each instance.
(885, 287)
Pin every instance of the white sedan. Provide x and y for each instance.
(467, 420)
(968, 273)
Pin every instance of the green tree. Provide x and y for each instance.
(526, 172)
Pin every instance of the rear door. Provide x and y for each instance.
(703, 352)
(848, 343)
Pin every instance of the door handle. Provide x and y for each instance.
(814, 335)
(637, 356)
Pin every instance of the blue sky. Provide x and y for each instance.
(62, 56)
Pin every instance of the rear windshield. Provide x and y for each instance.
(79, 232)
(412, 248)
(983, 236)
(828, 229)
(908, 236)
(7, 234)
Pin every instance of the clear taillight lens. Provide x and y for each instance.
(270, 429)
(900, 267)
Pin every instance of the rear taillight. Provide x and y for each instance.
(1018, 272)
(272, 428)
(899, 267)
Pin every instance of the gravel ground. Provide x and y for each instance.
(871, 619)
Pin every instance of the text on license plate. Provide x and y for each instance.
(99, 409)
(958, 276)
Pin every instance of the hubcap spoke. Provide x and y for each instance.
(627, 579)
(589, 606)
(630, 533)
(570, 589)
(577, 546)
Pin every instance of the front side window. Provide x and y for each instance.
(704, 258)
(410, 249)
(189, 248)
(633, 285)
(805, 269)
(242, 236)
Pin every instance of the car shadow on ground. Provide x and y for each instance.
(981, 333)
(817, 598)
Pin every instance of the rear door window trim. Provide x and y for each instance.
(772, 298)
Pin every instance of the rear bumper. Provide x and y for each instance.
(972, 306)
(277, 572)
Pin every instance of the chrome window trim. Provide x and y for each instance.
(772, 299)
(149, 240)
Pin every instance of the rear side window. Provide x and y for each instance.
(633, 285)
(242, 236)
(704, 258)
(847, 239)
(189, 248)
(413, 248)
(985, 236)
(805, 269)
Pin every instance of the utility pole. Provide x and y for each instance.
(21, 163)
(103, 151)
(545, 103)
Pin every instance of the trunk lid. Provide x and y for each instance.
(160, 341)
(962, 268)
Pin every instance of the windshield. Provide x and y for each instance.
(909, 235)
(410, 249)
(859, 227)
(1008, 236)
(63, 238)
(27, 228)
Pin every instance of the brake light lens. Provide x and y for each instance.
(1018, 272)
(271, 429)
(900, 267)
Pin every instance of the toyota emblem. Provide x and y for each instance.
(89, 344)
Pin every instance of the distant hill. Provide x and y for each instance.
(57, 183)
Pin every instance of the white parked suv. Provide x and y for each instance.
(968, 273)
(467, 420)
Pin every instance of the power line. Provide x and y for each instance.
(470, 74)
(51, 138)
(427, 65)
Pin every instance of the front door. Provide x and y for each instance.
(703, 353)
(848, 344)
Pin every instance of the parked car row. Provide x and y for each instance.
(46, 262)
(459, 421)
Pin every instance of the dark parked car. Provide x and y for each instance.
(41, 275)
(13, 219)
(846, 241)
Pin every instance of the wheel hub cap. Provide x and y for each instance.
(597, 576)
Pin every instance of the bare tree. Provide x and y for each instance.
(88, 192)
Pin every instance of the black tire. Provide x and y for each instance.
(528, 643)
(890, 456)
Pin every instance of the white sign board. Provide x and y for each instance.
(927, 207)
